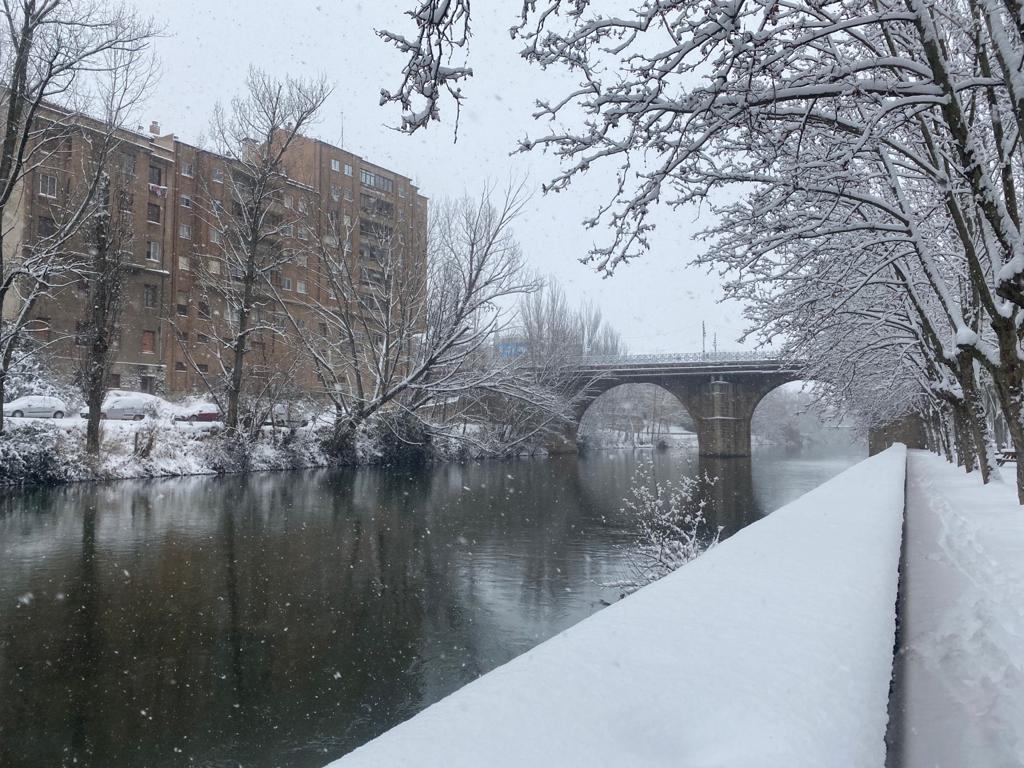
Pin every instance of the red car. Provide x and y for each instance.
(199, 412)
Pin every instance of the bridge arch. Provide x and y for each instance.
(790, 410)
(641, 413)
(719, 391)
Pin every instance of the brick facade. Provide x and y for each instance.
(167, 317)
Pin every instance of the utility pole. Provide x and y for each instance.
(703, 339)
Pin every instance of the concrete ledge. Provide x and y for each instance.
(773, 649)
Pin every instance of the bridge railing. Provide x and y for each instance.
(680, 357)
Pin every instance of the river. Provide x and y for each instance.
(283, 619)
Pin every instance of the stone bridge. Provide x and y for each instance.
(719, 389)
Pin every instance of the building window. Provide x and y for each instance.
(286, 283)
(181, 305)
(147, 384)
(47, 185)
(185, 231)
(148, 342)
(301, 287)
(401, 191)
(303, 233)
(149, 296)
(287, 230)
(204, 310)
(303, 205)
(186, 169)
(183, 263)
(213, 267)
(153, 213)
(186, 201)
(128, 166)
(152, 250)
(376, 181)
(46, 227)
(179, 366)
(335, 192)
(335, 165)
(215, 237)
(203, 367)
(347, 193)
(202, 338)
(348, 169)
(218, 175)
(289, 201)
(156, 175)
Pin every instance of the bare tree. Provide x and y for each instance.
(881, 136)
(254, 134)
(52, 54)
(109, 234)
(408, 327)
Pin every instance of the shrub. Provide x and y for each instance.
(32, 455)
(400, 439)
(672, 521)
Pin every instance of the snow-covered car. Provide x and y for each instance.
(129, 406)
(283, 415)
(36, 407)
(198, 412)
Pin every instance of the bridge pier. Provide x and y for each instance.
(565, 441)
(722, 412)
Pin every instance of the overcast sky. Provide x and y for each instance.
(657, 303)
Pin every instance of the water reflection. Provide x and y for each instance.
(286, 618)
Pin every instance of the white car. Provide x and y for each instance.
(283, 415)
(128, 406)
(36, 407)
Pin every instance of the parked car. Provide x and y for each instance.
(283, 415)
(199, 412)
(129, 406)
(36, 407)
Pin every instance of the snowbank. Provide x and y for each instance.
(773, 649)
(52, 451)
(961, 668)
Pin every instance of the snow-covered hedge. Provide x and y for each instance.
(774, 649)
(48, 453)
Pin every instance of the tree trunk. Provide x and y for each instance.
(974, 415)
(960, 445)
(946, 441)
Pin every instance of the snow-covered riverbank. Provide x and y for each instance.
(773, 649)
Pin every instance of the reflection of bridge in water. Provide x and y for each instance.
(720, 390)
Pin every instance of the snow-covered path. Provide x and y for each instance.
(772, 649)
(962, 664)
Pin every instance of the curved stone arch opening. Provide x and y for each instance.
(797, 423)
(635, 414)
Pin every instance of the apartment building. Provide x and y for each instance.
(49, 193)
(174, 318)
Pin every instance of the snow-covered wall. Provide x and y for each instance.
(773, 649)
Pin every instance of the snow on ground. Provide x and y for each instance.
(962, 664)
(772, 649)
